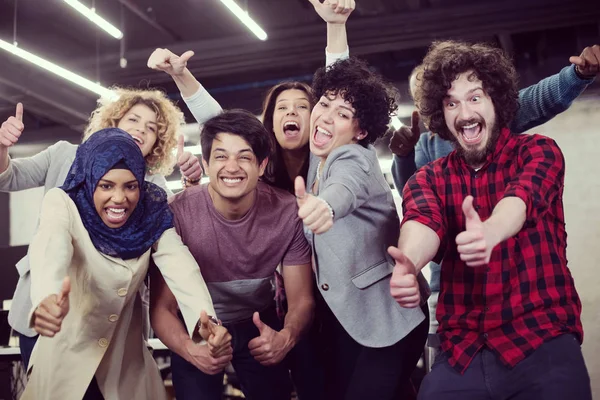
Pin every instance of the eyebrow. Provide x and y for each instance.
(469, 92)
(348, 108)
(301, 98)
(241, 151)
(109, 181)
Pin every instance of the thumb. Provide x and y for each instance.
(472, 218)
(180, 141)
(414, 123)
(186, 56)
(204, 320)
(258, 323)
(64, 290)
(577, 61)
(401, 259)
(19, 112)
(299, 189)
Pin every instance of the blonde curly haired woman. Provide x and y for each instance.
(154, 122)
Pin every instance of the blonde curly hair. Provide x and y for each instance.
(169, 119)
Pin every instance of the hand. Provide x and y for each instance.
(188, 164)
(11, 129)
(171, 63)
(217, 336)
(588, 63)
(199, 355)
(476, 243)
(334, 11)
(405, 139)
(313, 211)
(48, 316)
(404, 286)
(271, 346)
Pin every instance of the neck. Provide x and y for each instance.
(232, 209)
(294, 161)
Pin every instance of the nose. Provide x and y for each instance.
(118, 196)
(231, 165)
(292, 111)
(327, 115)
(465, 113)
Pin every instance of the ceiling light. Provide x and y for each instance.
(90, 13)
(60, 71)
(245, 18)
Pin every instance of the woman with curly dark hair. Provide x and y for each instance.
(372, 344)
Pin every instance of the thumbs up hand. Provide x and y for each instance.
(11, 129)
(404, 286)
(48, 317)
(405, 139)
(217, 336)
(169, 62)
(271, 346)
(476, 243)
(315, 212)
(188, 164)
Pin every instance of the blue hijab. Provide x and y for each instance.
(95, 157)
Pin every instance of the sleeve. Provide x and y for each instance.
(27, 173)
(422, 204)
(182, 275)
(160, 181)
(422, 156)
(51, 249)
(331, 58)
(298, 252)
(541, 102)
(402, 170)
(202, 105)
(540, 179)
(347, 185)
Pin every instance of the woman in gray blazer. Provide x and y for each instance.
(147, 115)
(372, 344)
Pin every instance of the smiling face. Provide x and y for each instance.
(140, 123)
(470, 116)
(116, 196)
(291, 119)
(332, 124)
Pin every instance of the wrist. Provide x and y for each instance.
(583, 76)
(290, 339)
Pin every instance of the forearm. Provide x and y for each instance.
(507, 219)
(298, 319)
(337, 41)
(419, 243)
(169, 329)
(4, 159)
(186, 83)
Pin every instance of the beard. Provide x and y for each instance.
(477, 156)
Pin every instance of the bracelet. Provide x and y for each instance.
(331, 212)
(189, 182)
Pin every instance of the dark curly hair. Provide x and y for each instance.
(448, 59)
(276, 173)
(373, 99)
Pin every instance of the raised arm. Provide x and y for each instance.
(541, 102)
(335, 13)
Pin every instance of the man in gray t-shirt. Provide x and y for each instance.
(239, 230)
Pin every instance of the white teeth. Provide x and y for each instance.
(473, 125)
(291, 123)
(236, 180)
(323, 131)
(116, 210)
(137, 139)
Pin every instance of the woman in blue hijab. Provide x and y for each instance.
(88, 258)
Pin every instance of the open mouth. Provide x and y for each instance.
(471, 133)
(321, 136)
(116, 215)
(232, 181)
(291, 128)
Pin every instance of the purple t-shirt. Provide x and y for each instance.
(238, 258)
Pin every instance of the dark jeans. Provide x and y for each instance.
(257, 381)
(555, 371)
(93, 391)
(356, 372)
(26, 344)
(305, 368)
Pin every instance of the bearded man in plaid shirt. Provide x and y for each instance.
(508, 312)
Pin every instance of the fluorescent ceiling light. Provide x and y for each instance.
(90, 14)
(245, 18)
(60, 71)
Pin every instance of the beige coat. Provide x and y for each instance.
(102, 333)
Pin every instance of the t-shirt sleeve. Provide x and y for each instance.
(298, 252)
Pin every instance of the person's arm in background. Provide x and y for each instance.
(541, 102)
(402, 145)
(335, 13)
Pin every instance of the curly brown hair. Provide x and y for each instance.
(373, 99)
(169, 119)
(445, 61)
(276, 172)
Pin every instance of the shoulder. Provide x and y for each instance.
(63, 148)
(355, 155)
(532, 145)
(275, 197)
(192, 195)
(58, 204)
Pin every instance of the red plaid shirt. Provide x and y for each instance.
(525, 295)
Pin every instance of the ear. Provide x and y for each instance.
(361, 135)
(263, 166)
(204, 166)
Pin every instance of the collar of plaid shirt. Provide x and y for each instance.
(525, 295)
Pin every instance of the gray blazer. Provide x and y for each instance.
(49, 168)
(353, 268)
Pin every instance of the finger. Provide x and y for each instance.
(47, 325)
(476, 247)
(204, 321)
(262, 327)
(472, 218)
(194, 172)
(180, 141)
(11, 134)
(223, 351)
(256, 343)
(19, 112)
(468, 237)
(478, 263)
(313, 216)
(186, 56)
(472, 257)
(14, 125)
(321, 222)
(64, 291)
(325, 227)
(299, 188)
(414, 123)
(399, 256)
(579, 61)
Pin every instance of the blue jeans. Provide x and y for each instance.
(555, 371)
(26, 345)
(257, 381)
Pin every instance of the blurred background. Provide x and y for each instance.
(237, 68)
